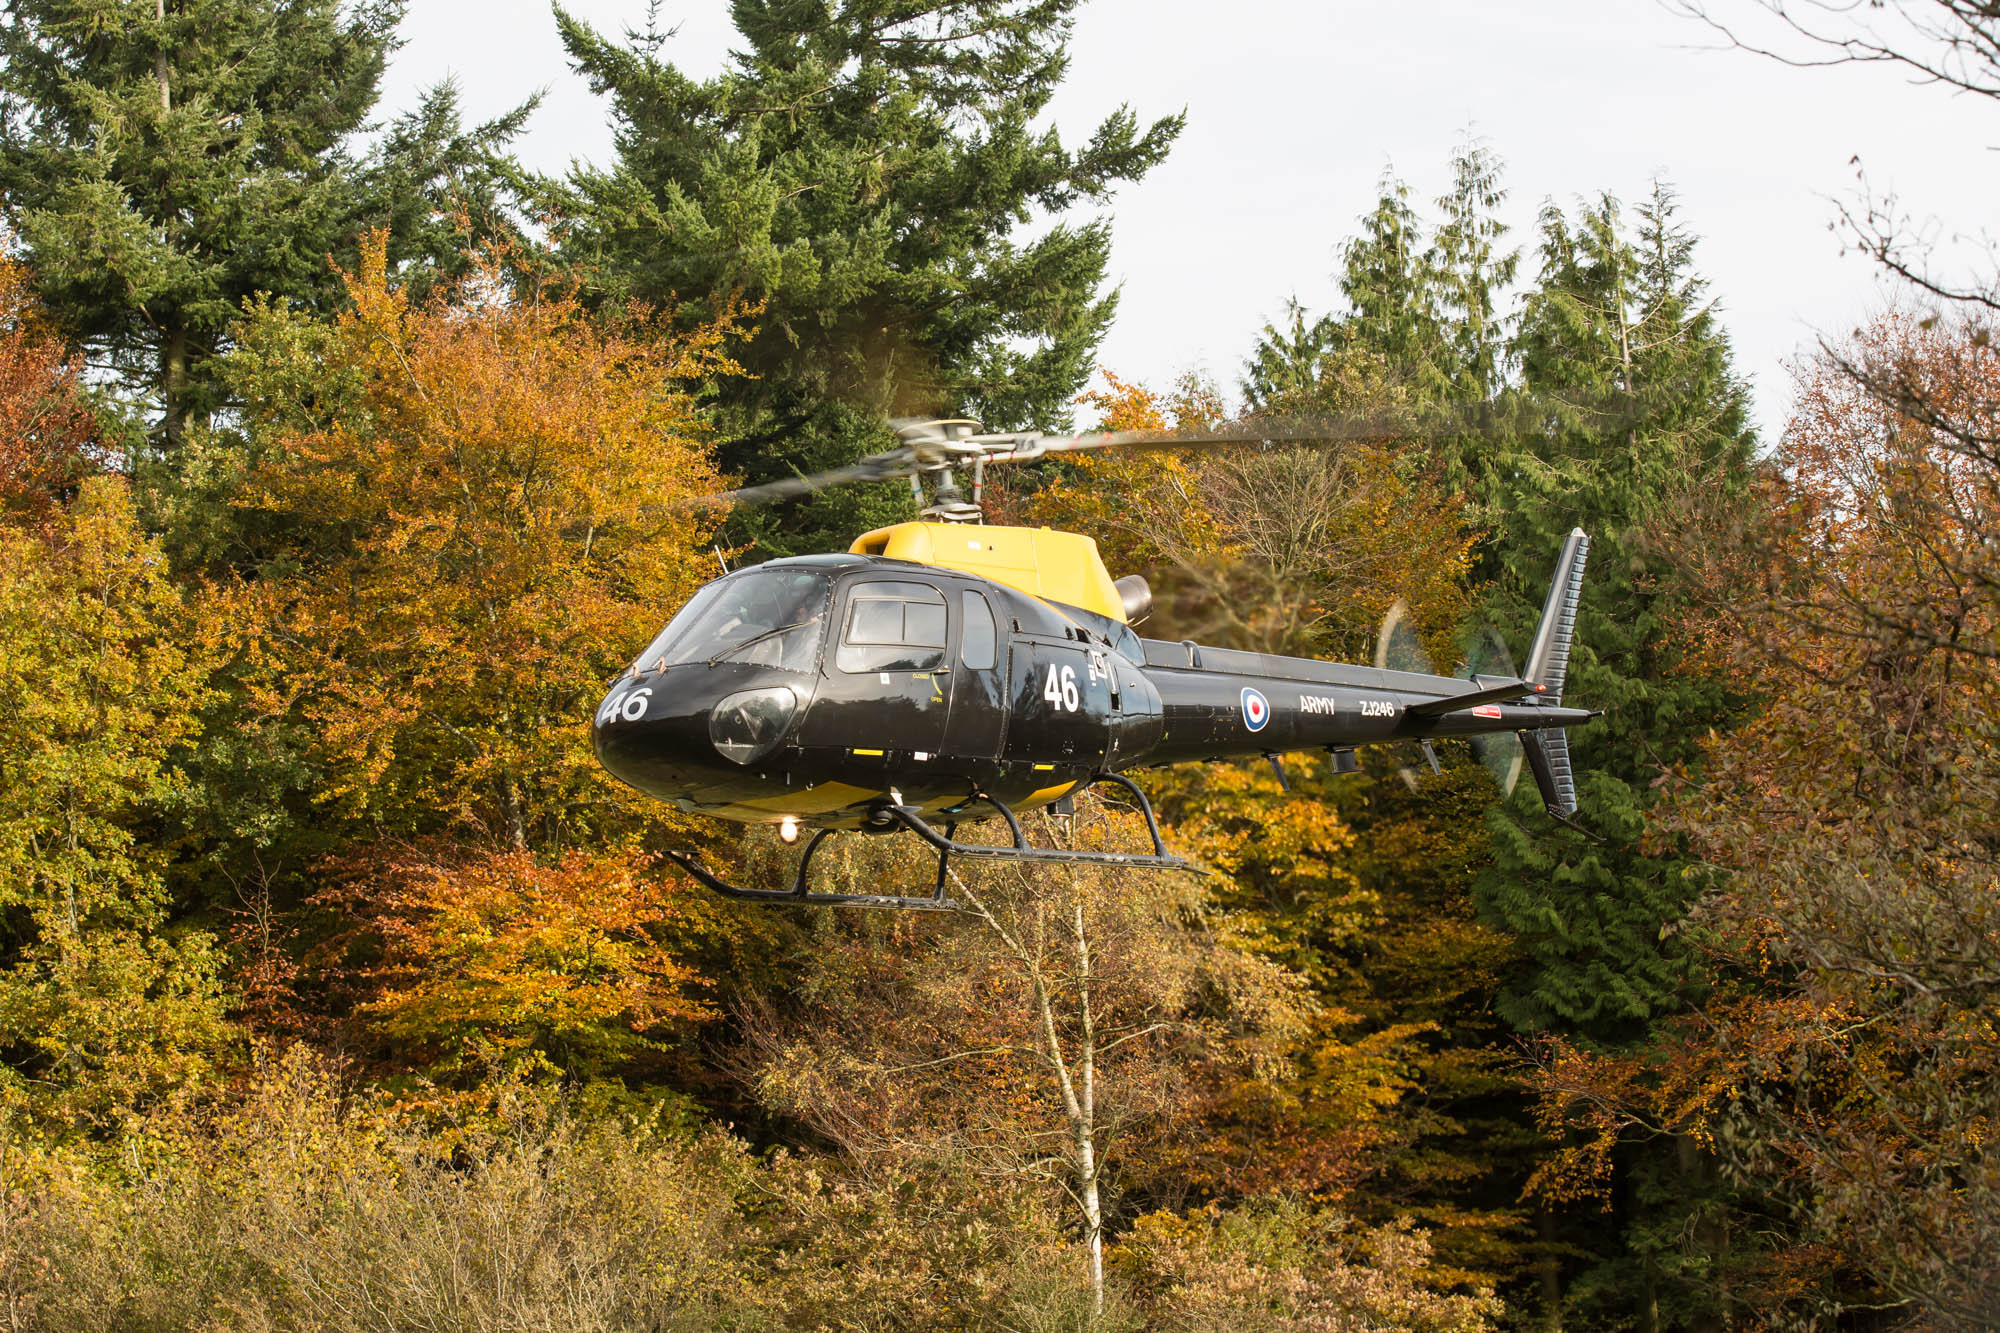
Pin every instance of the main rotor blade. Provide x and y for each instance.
(926, 450)
(1287, 430)
(875, 468)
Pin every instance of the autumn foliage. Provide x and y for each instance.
(1848, 1058)
(49, 434)
(335, 977)
(478, 509)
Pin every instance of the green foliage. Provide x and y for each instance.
(164, 164)
(1629, 416)
(1632, 412)
(863, 170)
(103, 671)
(1423, 330)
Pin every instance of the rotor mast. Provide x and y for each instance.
(947, 502)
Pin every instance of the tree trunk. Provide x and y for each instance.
(515, 815)
(160, 68)
(1548, 1271)
(173, 386)
(1086, 1126)
(1709, 1234)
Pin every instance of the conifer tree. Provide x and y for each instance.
(1470, 274)
(1386, 280)
(1423, 329)
(861, 168)
(1637, 405)
(1286, 364)
(1631, 408)
(162, 161)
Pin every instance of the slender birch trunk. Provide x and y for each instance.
(1086, 1120)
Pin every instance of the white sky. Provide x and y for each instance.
(1294, 109)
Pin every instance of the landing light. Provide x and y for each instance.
(747, 726)
(788, 828)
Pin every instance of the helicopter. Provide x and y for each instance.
(945, 672)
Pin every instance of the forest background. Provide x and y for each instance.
(338, 473)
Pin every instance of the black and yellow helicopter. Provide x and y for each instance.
(943, 672)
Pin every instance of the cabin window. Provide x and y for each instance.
(893, 627)
(976, 639)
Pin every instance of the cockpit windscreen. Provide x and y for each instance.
(765, 617)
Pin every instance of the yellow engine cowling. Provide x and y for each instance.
(1042, 562)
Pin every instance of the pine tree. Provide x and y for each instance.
(1633, 408)
(1422, 333)
(1285, 366)
(162, 161)
(1470, 274)
(863, 169)
(1632, 386)
(1386, 278)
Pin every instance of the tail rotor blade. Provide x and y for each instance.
(1398, 647)
(1485, 654)
(1502, 756)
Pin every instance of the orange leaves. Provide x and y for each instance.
(1125, 406)
(1294, 550)
(465, 514)
(48, 432)
(1141, 507)
(496, 957)
(1846, 1060)
(486, 514)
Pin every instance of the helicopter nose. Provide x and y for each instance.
(685, 733)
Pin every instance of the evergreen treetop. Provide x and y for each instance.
(865, 169)
(163, 161)
(1631, 406)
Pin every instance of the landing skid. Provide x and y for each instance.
(947, 845)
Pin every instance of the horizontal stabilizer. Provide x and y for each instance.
(1490, 691)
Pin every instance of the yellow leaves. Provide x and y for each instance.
(497, 955)
(103, 670)
(1281, 1265)
(488, 518)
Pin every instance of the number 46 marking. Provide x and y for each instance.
(1061, 689)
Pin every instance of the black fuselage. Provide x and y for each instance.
(816, 689)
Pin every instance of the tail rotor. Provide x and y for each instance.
(1398, 647)
(1544, 751)
(1485, 654)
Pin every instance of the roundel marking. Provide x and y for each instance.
(1256, 709)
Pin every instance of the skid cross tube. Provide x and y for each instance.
(801, 892)
(947, 845)
(945, 842)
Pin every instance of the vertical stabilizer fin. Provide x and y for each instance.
(1548, 658)
(1547, 750)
